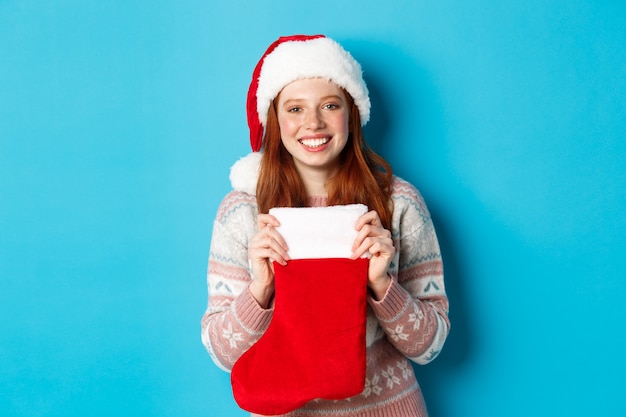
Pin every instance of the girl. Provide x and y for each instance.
(306, 106)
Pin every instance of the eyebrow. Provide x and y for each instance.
(325, 98)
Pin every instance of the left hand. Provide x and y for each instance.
(372, 237)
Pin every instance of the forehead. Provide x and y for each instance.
(309, 88)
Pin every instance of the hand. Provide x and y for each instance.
(374, 239)
(266, 245)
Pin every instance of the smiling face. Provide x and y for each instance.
(313, 117)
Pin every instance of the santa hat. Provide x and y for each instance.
(288, 59)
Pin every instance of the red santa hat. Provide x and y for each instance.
(288, 59)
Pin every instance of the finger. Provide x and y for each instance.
(267, 254)
(361, 235)
(362, 247)
(370, 217)
(277, 237)
(272, 240)
(382, 248)
(269, 244)
(375, 246)
(280, 253)
(267, 225)
(267, 219)
(370, 231)
(374, 230)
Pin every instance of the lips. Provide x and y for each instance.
(314, 142)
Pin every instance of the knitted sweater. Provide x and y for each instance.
(409, 323)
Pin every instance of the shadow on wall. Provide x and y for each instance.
(405, 112)
(460, 344)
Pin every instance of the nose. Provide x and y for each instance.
(314, 119)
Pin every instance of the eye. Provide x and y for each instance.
(331, 106)
(294, 109)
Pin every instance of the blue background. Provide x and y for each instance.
(119, 121)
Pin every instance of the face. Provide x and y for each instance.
(313, 118)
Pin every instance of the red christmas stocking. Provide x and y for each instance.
(315, 344)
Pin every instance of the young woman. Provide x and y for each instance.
(307, 104)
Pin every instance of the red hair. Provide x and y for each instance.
(364, 177)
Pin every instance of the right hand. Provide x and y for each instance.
(266, 245)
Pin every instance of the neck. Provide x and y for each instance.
(314, 181)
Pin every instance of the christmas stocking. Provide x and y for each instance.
(315, 344)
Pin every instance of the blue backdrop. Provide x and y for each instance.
(119, 121)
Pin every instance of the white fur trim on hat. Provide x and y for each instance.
(320, 57)
(244, 174)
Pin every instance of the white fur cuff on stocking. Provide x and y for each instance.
(319, 232)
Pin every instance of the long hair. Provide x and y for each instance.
(364, 176)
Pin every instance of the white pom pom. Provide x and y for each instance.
(245, 173)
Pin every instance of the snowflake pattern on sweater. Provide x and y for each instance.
(409, 323)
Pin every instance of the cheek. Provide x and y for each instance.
(343, 123)
(287, 126)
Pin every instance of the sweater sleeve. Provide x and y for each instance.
(414, 311)
(233, 320)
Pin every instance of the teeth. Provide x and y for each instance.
(314, 143)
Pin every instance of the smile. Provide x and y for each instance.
(314, 142)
